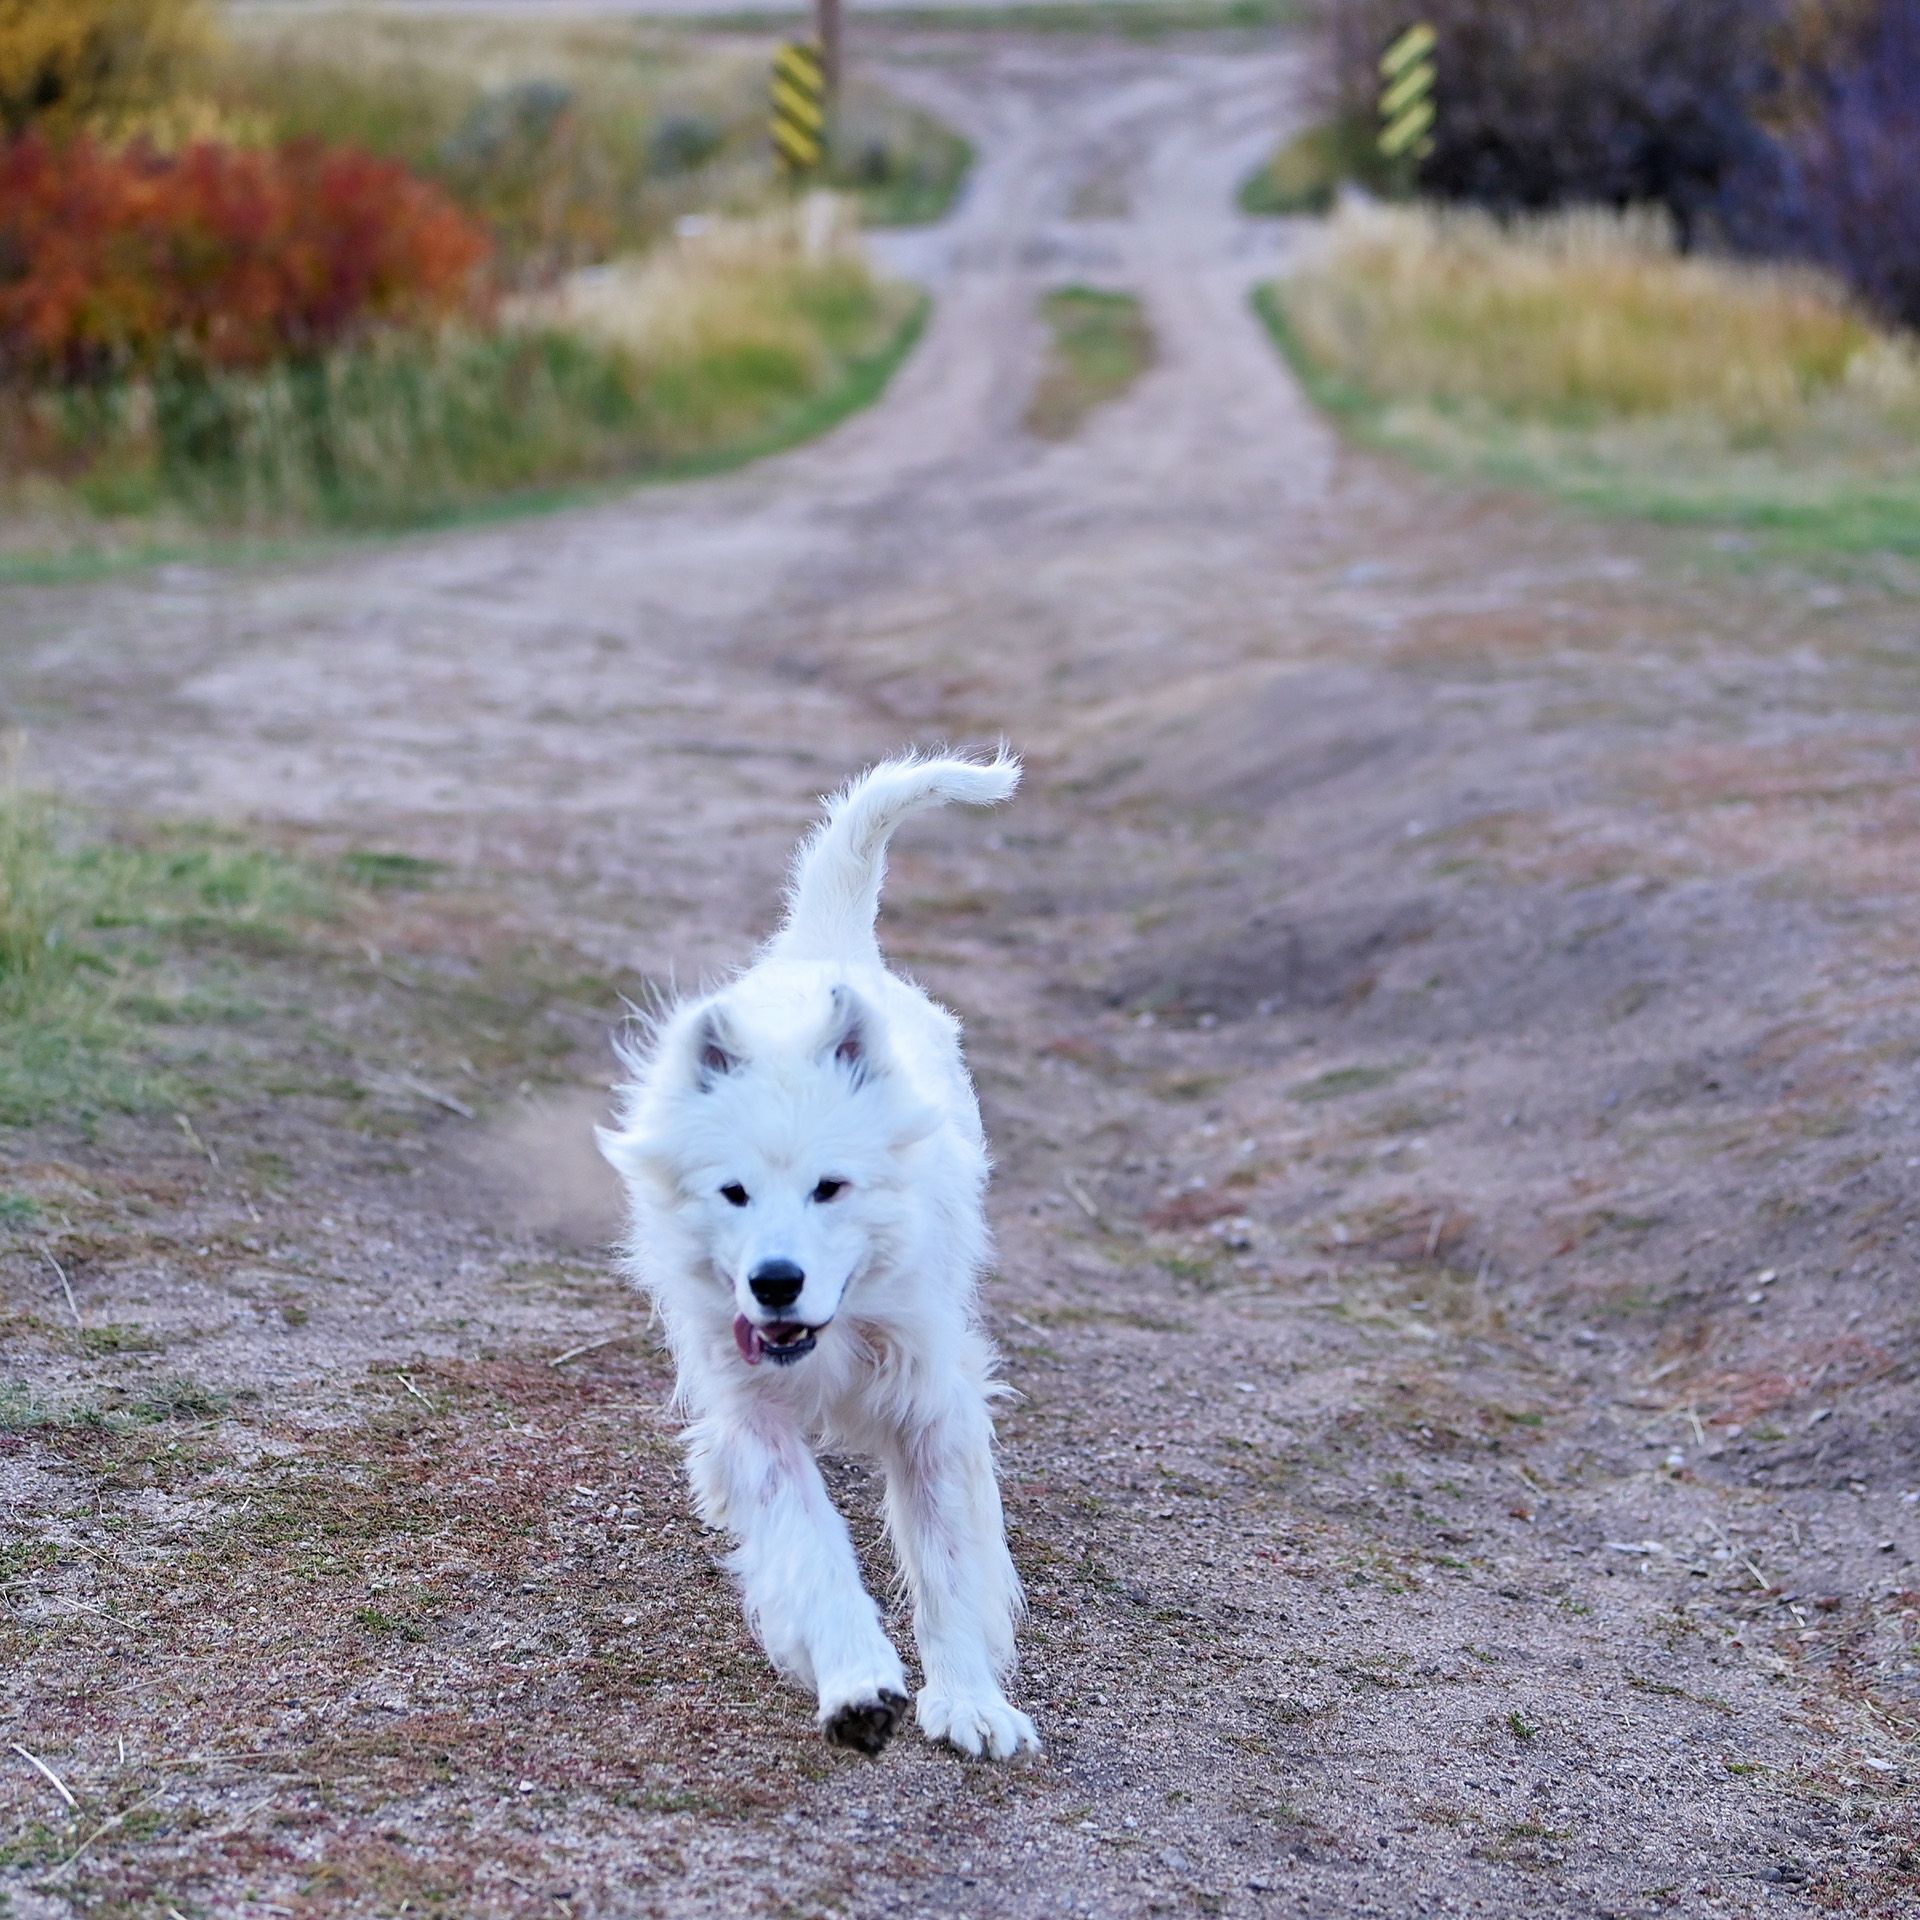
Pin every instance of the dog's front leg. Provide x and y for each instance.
(943, 1511)
(754, 1475)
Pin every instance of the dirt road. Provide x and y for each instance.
(1444, 1006)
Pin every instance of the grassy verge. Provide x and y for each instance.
(613, 162)
(1101, 346)
(168, 968)
(1584, 357)
(699, 356)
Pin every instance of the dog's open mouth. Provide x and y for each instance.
(781, 1341)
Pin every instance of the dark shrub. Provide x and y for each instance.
(1840, 180)
(684, 142)
(509, 124)
(1544, 102)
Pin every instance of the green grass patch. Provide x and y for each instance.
(1304, 175)
(22, 1410)
(104, 941)
(179, 970)
(1101, 345)
(120, 1336)
(1342, 1081)
(1584, 360)
(398, 872)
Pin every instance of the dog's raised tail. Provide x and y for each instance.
(834, 898)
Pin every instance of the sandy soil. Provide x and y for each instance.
(1444, 1006)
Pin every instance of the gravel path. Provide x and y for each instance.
(1444, 1009)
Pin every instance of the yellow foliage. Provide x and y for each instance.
(111, 67)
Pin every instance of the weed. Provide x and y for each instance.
(178, 1400)
(395, 871)
(112, 1412)
(1203, 1275)
(120, 1337)
(1101, 346)
(23, 1411)
(35, 1845)
(1189, 1086)
(1521, 1727)
(1341, 1081)
(385, 1624)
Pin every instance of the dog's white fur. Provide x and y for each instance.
(816, 1066)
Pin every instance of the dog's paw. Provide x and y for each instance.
(976, 1723)
(865, 1725)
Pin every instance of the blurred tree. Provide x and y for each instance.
(1542, 103)
(106, 66)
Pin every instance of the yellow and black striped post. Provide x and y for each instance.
(798, 99)
(1406, 94)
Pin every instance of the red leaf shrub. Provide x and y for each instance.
(115, 263)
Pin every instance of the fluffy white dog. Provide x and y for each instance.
(805, 1165)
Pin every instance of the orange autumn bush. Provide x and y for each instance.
(130, 263)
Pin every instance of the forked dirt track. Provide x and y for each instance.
(1444, 1003)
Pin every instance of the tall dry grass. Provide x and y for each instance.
(574, 139)
(1584, 317)
(1584, 352)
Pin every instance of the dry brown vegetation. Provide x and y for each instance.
(1584, 352)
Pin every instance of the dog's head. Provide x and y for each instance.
(779, 1142)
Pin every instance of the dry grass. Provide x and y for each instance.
(1588, 316)
(572, 138)
(764, 296)
(1584, 353)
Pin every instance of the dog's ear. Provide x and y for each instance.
(714, 1049)
(853, 1038)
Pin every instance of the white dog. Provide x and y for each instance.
(804, 1160)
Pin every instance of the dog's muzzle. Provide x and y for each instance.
(781, 1341)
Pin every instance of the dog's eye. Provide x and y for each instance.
(827, 1189)
(734, 1194)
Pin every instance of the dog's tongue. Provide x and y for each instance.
(746, 1336)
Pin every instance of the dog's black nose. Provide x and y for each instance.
(776, 1283)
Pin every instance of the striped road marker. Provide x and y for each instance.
(1406, 94)
(798, 99)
